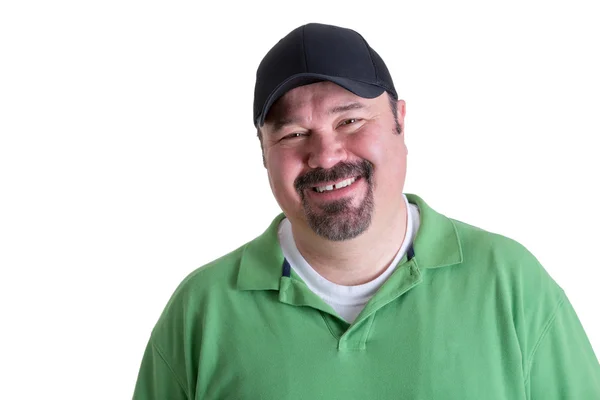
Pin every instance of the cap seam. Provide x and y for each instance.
(370, 57)
(376, 71)
(304, 50)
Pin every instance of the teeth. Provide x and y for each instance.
(338, 185)
(342, 184)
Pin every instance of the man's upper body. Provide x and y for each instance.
(358, 290)
(466, 314)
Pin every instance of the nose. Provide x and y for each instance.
(325, 151)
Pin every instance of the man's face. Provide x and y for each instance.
(335, 160)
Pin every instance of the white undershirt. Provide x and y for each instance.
(347, 301)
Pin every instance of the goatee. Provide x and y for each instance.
(338, 220)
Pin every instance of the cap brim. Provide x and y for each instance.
(361, 89)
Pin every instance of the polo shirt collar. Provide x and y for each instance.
(262, 261)
(436, 245)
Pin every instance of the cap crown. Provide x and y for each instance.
(317, 52)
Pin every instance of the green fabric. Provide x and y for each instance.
(472, 316)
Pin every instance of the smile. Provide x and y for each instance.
(338, 185)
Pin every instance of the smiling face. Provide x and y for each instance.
(335, 161)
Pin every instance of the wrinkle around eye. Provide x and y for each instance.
(295, 135)
(351, 122)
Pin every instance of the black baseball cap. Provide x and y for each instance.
(314, 53)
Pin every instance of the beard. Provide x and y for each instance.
(338, 220)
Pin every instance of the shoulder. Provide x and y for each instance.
(217, 278)
(511, 273)
(218, 274)
(203, 294)
(217, 289)
(477, 241)
(501, 254)
(511, 280)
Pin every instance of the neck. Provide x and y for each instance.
(359, 260)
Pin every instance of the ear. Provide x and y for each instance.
(401, 113)
(262, 148)
(401, 108)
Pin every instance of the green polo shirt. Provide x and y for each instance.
(471, 315)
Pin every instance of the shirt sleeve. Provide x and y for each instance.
(156, 379)
(563, 364)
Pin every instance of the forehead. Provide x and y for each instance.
(315, 98)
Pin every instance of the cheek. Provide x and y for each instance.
(370, 146)
(386, 152)
(283, 168)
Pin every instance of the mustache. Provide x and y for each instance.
(340, 171)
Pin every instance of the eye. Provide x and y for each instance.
(293, 135)
(349, 121)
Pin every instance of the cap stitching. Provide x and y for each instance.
(304, 50)
(376, 71)
(378, 84)
(370, 56)
(379, 81)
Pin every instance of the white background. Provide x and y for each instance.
(128, 157)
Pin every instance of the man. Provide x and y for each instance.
(358, 291)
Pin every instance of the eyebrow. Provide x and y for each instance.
(282, 122)
(346, 107)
